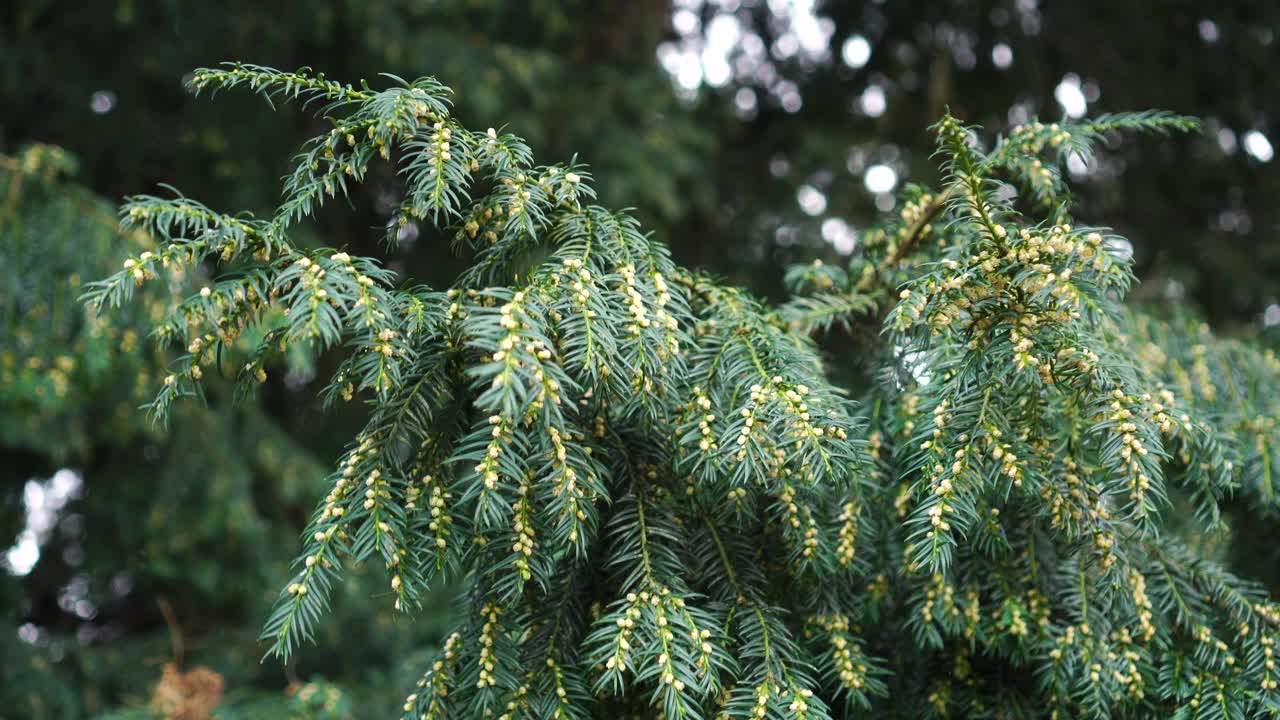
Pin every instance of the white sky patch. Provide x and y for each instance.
(745, 102)
(786, 46)
(856, 51)
(880, 178)
(1002, 56)
(1237, 221)
(1077, 166)
(1257, 145)
(1208, 31)
(1019, 113)
(688, 71)
(789, 95)
(840, 235)
(102, 102)
(1071, 97)
(43, 502)
(715, 68)
(812, 32)
(873, 101)
(856, 160)
(722, 35)
(1120, 248)
(1227, 141)
(811, 200)
(670, 58)
(779, 165)
(722, 52)
(685, 21)
(913, 361)
(723, 32)
(1271, 316)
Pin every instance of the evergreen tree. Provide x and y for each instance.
(656, 496)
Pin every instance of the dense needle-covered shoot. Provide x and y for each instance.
(656, 499)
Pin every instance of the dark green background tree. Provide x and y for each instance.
(742, 170)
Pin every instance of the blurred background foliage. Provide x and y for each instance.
(748, 135)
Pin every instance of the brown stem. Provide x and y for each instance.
(175, 632)
(869, 281)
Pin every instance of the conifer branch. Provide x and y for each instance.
(658, 499)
